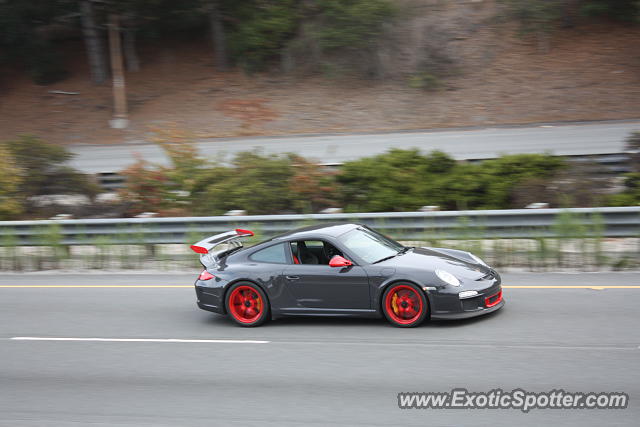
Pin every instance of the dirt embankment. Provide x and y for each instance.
(590, 73)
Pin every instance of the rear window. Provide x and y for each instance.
(273, 254)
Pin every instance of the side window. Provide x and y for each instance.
(314, 245)
(313, 252)
(273, 254)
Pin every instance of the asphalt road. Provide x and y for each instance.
(562, 139)
(311, 371)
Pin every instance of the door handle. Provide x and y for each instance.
(293, 277)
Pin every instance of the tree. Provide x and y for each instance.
(26, 38)
(131, 59)
(218, 35)
(260, 30)
(94, 42)
(140, 19)
(10, 180)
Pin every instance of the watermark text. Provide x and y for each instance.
(525, 401)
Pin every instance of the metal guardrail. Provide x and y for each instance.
(488, 224)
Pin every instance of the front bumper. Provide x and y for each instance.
(465, 314)
(449, 306)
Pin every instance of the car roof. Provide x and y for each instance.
(331, 230)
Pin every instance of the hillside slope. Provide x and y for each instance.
(592, 72)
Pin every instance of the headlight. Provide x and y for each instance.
(447, 277)
(478, 260)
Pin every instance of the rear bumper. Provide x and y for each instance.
(209, 299)
(212, 308)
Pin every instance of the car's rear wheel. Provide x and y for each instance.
(247, 304)
(404, 305)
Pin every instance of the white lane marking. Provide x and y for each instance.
(540, 346)
(139, 340)
(498, 346)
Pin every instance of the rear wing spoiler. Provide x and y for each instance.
(206, 245)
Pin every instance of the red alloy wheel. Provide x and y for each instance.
(245, 304)
(404, 306)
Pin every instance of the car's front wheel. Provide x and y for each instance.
(404, 305)
(247, 304)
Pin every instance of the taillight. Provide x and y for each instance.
(199, 249)
(205, 275)
(245, 232)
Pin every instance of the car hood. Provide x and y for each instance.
(430, 259)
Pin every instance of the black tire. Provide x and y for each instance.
(410, 311)
(247, 304)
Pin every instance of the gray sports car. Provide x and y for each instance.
(341, 270)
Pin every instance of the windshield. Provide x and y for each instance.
(370, 245)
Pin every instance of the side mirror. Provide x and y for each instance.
(338, 261)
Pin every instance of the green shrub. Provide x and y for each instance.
(621, 10)
(340, 36)
(256, 183)
(534, 16)
(44, 169)
(425, 81)
(402, 180)
(351, 24)
(631, 195)
(11, 178)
